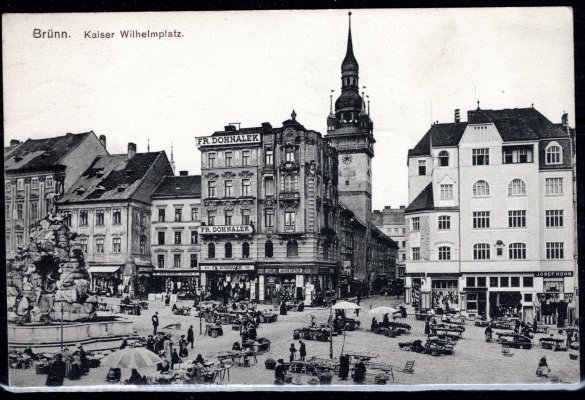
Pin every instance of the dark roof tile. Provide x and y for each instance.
(424, 201)
(179, 186)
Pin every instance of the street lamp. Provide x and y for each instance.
(61, 300)
(200, 295)
(331, 329)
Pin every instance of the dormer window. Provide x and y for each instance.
(444, 158)
(553, 154)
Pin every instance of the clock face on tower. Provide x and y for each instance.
(346, 159)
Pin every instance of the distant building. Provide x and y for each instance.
(490, 224)
(176, 216)
(36, 173)
(391, 222)
(109, 206)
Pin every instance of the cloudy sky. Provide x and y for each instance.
(254, 67)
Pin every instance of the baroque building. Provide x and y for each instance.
(391, 222)
(490, 221)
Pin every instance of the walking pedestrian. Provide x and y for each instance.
(343, 366)
(488, 333)
(292, 350)
(167, 300)
(359, 298)
(190, 336)
(569, 337)
(155, 323)
(279, 372)
(427, 326)
(534, 325)
(56, 372)
(359, 375)
(302, 350)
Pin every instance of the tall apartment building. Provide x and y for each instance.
(36, 173)
(391, 222)
(176, 217)
(490, 221)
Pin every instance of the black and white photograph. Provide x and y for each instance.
(336, 199)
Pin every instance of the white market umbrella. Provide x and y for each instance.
(345, 305)
(138, 357)
(383, 310)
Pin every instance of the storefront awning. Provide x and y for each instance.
(103, 269)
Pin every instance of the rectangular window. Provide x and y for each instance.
(19, 239)
(269, 186)
(116, 245)
(99, 245)
(194, 214)
(210, 218)
(49, 181)
(34, 210)
(269, 157)
(481, 251)
(211, 189)
(211, 160)
(446, 192)
(246, 187)
(269, 218)
(193, 261)
(444, 253)
(228, 158)
(415, 253)
(494, 281)
(515, 281)
(555, 250)
(472, 301)
(228, 217)
(99, 217)
(289, 218)
(481, 281)
(178, 237)
(83, 245)
(7, 214)
(470, 281)
(83, 219)
(20, 184)
(481, 219)
(404, 243)
(415, 224)
(161, 215)
(290, 155)
(66, 217)
(194, 237)
(422, 167)
(245, 157)
(554, 218)
(7, 186)
(517, 218)
(178, 214)
(480, 156)
(553, 186)
(527, 281)
(19, 211)
(161, 238)
(528, 297)
(176, 261)
(444, 222)
(228, 188)
(517, 155)
(504, 281)
(117, 216)
(245, 217)
(34, 183)
(517, 251)
(142, 245)
(160, 261)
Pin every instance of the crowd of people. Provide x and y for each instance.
(67, 364)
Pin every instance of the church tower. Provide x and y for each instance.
(350, 131)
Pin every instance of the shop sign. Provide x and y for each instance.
(231, 139)
(553, 274)
(225, 230)
(275, 271)
(174, 273)
(227, 267)
(271, 280)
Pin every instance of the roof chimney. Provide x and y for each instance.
(230, 128)
(387, 207)
(14, 142)
(402, 207)
(103, 140)
(183, 173)
(564, 121)
(131, 150)
(457, 117)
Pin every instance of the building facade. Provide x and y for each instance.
(176, 218)
(36, 173)
(490, 221)
(109, 206)
(391, 222)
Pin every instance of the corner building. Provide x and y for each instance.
(490, 221)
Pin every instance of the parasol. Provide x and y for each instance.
(383, 310)
(132, 357)
(345, 305)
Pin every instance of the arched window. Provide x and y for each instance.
(481, 189)
(554, 154)
(211, 250)
(292, 248)
(517, 188)
(289, 183)
(228, 250)
(444, 158)
(481, 251)
(268, 249)
(245, 250)
(517, 251)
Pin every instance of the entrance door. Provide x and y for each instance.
(481, 303)
(528, 314)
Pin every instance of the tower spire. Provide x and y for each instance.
(148, 146)
(349, 62)
(172, 159)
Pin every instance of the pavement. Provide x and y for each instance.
(474, 361)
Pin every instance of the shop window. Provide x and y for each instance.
(470, 281)
(444, 158)
(292, 248)
(515, 281)
(176, 261)
(527, 281)
(161, 238)
(194, 237)
(99, 217)
(160, 261)
(481, 281)
(245, 250)
(211, 250)
(494, 282)
(268, 249)
(228, 250)
(117, 216)
(553, 286)
(504, 281)
(528, 297)
(193, 261)
(161, 215)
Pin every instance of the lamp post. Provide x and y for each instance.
(61, 302)
(331, 330)
(200, 294)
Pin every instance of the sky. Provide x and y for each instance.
(256, 66)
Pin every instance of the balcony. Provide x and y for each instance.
(289, 166)
(289, 196)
